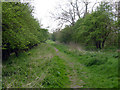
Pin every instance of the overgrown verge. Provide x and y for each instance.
(36, 68)
(57, 75)
(100, 68)
(96, 30)
(20, 30)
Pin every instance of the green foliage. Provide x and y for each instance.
(66, 34)
(94, 30)
(20, 30)
(53, 37)
(40, 67)
(57, 74)
(95, 60)
(50, 41)
(99, 69)
(36, 68)
(95, 27)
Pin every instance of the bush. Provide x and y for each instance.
(20, 30)
(95, 61)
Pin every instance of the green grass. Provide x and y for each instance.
(38, 67)
(50, 42)
(100, 68)
(57, 75)
(46, 67)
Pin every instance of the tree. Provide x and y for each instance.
(20, 30)
(67, 14)
(93, 29)
(96, 27)
(71, 12)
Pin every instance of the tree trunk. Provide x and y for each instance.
(5, 54)
(103, 43)
(98, 44)
(77, 9)
(16, 52)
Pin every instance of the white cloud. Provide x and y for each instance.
(43, 7)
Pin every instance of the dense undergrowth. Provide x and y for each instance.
(95, 30)
(29, 61)
(101, 67)
(35, 68)
(44, 67)
(20, 30)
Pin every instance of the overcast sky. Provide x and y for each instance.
(42, 9)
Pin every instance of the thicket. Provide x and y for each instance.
(97, 29)
(20, 30)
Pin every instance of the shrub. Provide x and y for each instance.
(95, 61)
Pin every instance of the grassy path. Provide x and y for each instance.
(53, 65)
(71, 70)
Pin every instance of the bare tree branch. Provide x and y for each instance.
(72, 11)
